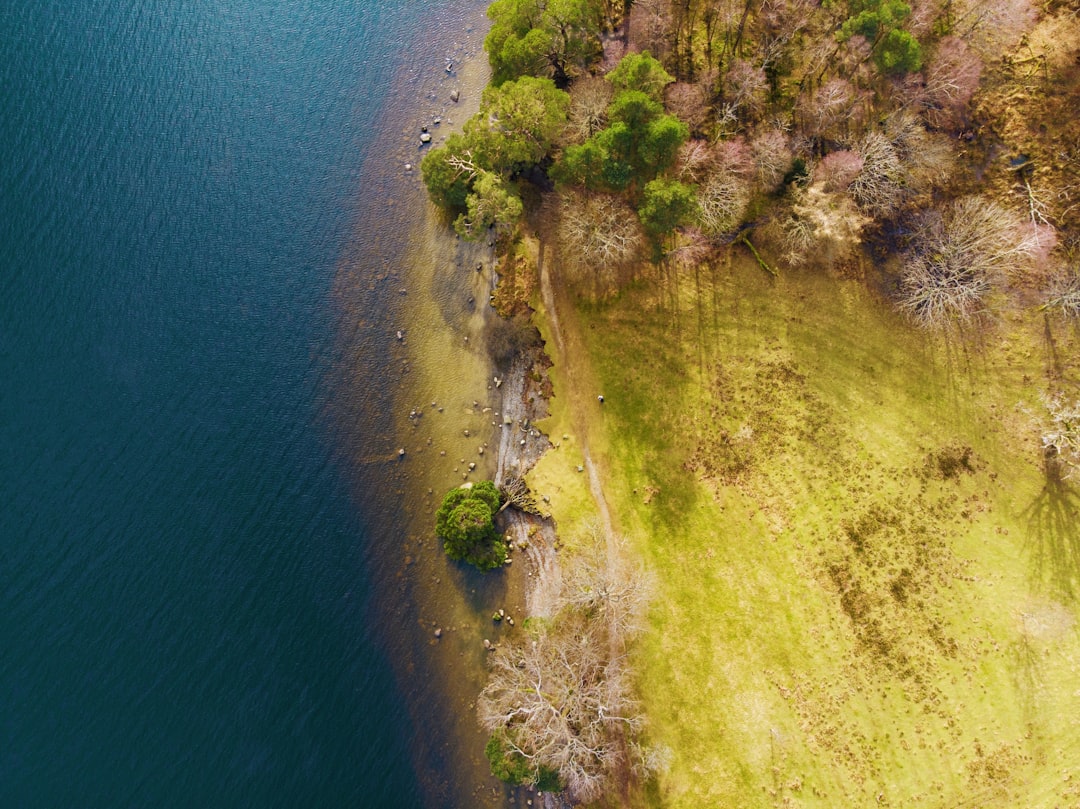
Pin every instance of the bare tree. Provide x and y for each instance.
(927, 159)
(957, 258)
(690, 103)
(878, 188)
(724, 180)
(562, 699)
(589, 99)
(772, 157)
(1061, 437)
(952, 77)
(604, 583)
(832, 110)
(651, 26)
(1064, 294)
(821, 228)
(992, 29)
(746, 87)
(838, 170)
(695, 161)
(516, 493)
(599, 232)
(722, 202)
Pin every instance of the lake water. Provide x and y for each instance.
(186, 552)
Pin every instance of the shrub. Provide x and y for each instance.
(507, 764)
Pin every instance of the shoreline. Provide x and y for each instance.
(444, 409)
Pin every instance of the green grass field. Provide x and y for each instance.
(866, 589)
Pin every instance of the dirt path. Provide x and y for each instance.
(582, 388)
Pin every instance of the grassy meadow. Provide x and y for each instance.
(865, 586)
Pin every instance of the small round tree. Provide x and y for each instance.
(465, 522)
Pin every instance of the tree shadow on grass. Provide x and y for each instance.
(1053, 521)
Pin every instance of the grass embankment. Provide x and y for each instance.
(866, 592)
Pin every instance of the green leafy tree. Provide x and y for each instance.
(489, 493)
(473, 174)
(898, 52)
(517, 124)
(465, 523)
(492, 204)
(661, 142)
(553, 38)
(583, 164)
(880, 23)
(446, 180)
(666, 205)
(640, 71)
(641, 142)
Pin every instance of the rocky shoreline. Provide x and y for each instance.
(520, 446)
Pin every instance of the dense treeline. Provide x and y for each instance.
(814, 127)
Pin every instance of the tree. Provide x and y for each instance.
(771, 153)
(598, 230)
(1061, 436)
(445, 176)
(640, 72)
(491, 204)
(634, 108)
(465, 523)
(957, 258)
(473, 174)
(660, 143)
(722, 203)
(746, 88)
(518, 123)
(992, 29)
(898, 52)
(832, 111)
(690, 104)
(838, 170)
(878, 187)
(640, 142)
(589, 100)
(879, 22)
(952, 76)
(560, 700)
(553, 38)
(821, 228)
(666, 205)
(1064, 294)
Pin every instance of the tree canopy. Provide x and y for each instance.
(465, 523)
(473, 175)
(640, 71)
(553, 38)
(640, 141)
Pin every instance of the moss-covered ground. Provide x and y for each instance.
(866, 586)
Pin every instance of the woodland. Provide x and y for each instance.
(788, 175)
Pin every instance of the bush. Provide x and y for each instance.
(466, 525)
(506, 763)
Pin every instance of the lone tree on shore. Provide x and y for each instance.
(465, 523)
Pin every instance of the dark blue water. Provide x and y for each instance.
(182, 560)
